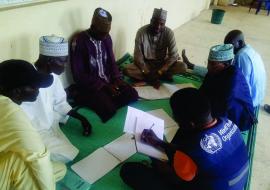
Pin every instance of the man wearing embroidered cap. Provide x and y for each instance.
(227, 88)
(155, 53)
(24, 159)
(95, 71)
(51, 107)
(207, 153)
(247, 60)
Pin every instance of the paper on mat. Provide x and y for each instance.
(146, 121)
(134, 115)
(165, 90)
(96, 165)
(122, 147)
(131, 119)
(72, 181)
(171, 126)
(169, 133)
(160, 113)
(136, 122)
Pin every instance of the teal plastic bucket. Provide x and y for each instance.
(217, 16)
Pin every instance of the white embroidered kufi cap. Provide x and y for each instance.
(223, 52)
(53, 46)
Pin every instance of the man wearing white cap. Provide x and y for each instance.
(51, 107)
(227, 89)
(155, 53)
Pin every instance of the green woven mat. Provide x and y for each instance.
(104, 133)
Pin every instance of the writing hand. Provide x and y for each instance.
(149, 137)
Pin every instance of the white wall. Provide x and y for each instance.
(20, 28)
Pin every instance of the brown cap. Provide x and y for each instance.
(102, 20)
(159, 14)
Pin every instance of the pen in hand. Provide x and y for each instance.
(151, 126)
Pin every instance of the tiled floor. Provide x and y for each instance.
(198, 35)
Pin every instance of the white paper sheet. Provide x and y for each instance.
(170, 125)
(160, 113)
(96, 165)
(131, 119)
(122, 147)
(157, 125)
(165, 90)
(136, 122)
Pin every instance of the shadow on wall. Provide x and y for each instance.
(20, 47)
(68, 22)
(120, 43)
(194, 15)
(67, 78)
(71, 20)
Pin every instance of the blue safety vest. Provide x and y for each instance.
(221, 156)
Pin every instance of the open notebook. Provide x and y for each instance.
(136, 122)
(104, 159)
(164, 91)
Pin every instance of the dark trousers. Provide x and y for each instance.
(141, 177)
(104, 104)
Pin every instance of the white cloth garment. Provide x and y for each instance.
(45, 113)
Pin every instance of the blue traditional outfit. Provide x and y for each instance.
(252, 67)
(229, 93)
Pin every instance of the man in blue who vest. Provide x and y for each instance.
(207, 153)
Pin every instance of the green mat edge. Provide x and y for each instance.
(251, 140)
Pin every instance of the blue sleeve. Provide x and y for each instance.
(239, 103)
(244, 63)
(200, 70)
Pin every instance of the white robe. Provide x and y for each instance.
(46, 113)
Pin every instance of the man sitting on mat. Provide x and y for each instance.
(227, 89)
(206, 153)
(155, 53)
(51, 106)
(24, 159)
(95, 72)
(247, 60)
